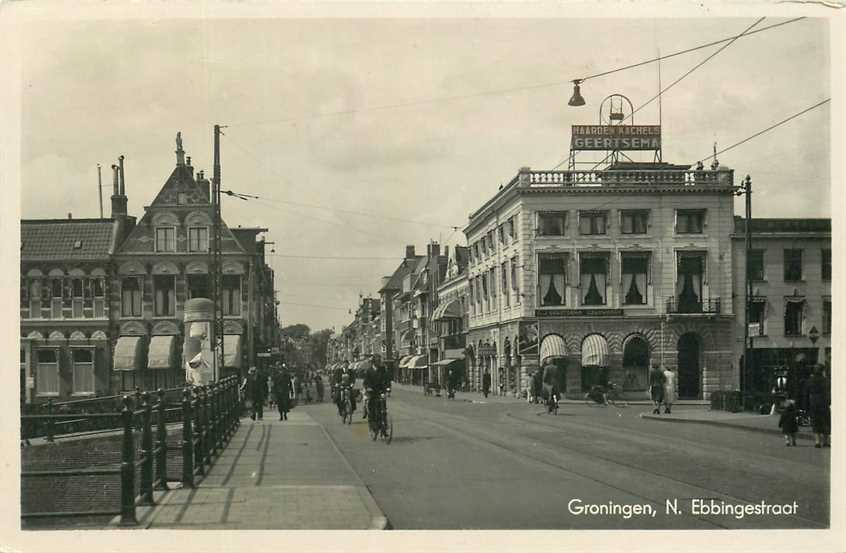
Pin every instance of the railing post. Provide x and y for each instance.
(215, 418)
(127, 469)
(207, 422)
(199, 431)
(50, 426)
(187, 440)
(147, 451)
(161, 462)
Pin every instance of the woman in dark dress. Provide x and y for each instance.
(282, 392)
(819, 406)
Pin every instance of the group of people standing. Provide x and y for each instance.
(817, 396)
(662, 389)
(279, 386)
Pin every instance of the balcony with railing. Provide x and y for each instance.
(626, 177)
(677, 306)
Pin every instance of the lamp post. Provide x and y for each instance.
(746, 189)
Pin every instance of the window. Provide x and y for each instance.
(635, 275)
(757, 316)
(756, 264)
(56, 286)
(690, 221)
(164, 288)
(552, 279)
(198, 286)
(77, 288)
(511, 230)
(551, 223)
(47, 375)
(231, 294)
(506, 293)
(130, 297)
(690, 276)
(24, 293)
(491, 244)
(198, 239)
(500, 231)
(485, 290)
(83, 371)
(166, 239)
(592, 222)
(593, 271)
(794, 317)
(826, 325)
(826, 264)
(634, 221)
(792, 265)
(181, 198)
(99, 288)
(515, 284)
(493, 288)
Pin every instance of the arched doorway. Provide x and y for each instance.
(594, 361)
(553, 364)
(689, 362)
(635, 364)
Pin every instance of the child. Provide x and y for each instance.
(788, 423)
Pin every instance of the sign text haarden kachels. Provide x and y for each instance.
(616, 137)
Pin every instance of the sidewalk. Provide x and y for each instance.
(747, 421)
(274, 475)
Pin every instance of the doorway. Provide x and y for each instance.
(689, 366)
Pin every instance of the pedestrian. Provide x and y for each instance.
(669, 390)
(656, 388)
(255, 387)
(486, 382)
(537, 386)
(319, 382)
(818, 394)
(789, 423)
(282, 391)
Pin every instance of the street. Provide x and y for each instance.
(476, 464)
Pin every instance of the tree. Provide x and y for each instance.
(297, 331)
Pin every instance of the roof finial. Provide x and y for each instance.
(715, 164)
(180, 154)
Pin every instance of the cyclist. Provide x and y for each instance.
(346, 383)
(376, 381)
(598, 394)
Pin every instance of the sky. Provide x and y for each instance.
(404, 120)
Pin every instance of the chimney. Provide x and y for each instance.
(118, 198)
(446, 252)
(190, 167)
(70, 215)
(122, 177)
(409, 252)
(433, 249)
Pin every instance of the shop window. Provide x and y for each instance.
(552, 279)
(592, 222)
(635, 276)
(826, 264)
(130, 294)
(690, 221)
(634, 221)
(47, 375)
(794, 317)
(756, 265)
(792, 265)
(198, 239)
(231, 285)
(164, 288)
(166, 239)
(551, 223)
(83, 371)
(593, 281)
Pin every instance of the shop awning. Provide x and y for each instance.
(232, 350)
(445, 362)
(127, 355)
(595, 351)
(162, 352)
(447, 310)
(418, 362)
(552, 347)
(404, 361)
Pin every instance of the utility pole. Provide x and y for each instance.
(746, 188)
(100, 188)
(216, 265)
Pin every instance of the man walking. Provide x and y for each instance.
(282, 392)
(656, 388)
(255, 386)
(486, 382)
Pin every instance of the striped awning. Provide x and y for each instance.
(404, 361)
(162, 352)
(127, 356)
(595, 351)
(552, 347)
(232, 350)
(418, 362)
(447, 310)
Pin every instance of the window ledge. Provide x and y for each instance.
(47, 394)
(83, 394)
(800, 281)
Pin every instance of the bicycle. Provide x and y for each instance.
(605, 396)
(552, 404)
(383, 425)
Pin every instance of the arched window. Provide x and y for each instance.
(636, 364)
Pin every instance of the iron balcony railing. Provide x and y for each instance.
(626, 177)
(710, 306)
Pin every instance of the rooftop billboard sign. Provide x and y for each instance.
(616, 137)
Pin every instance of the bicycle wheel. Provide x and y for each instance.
(375, 429)
(347, 412)
(388, 430)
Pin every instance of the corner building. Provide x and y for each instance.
(603, 273)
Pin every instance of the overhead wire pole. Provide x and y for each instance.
(216, 268)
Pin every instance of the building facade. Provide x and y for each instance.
(604, 273)
(790, 309)
(451, 320)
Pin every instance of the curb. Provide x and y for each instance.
(775, 431)
(378, 519)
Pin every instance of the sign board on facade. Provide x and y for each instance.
(579, 313)
(528, 339)
(616, 137)
(263, 354)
